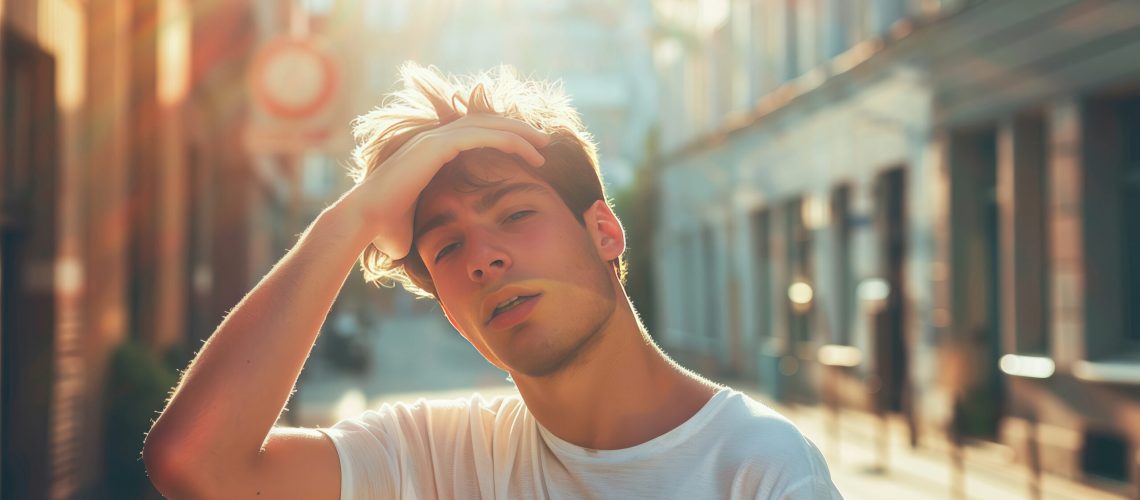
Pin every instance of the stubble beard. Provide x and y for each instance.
(568, 357)
(588, 334)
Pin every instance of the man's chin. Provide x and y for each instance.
(553, 362)
(545, 369)
(540, 361)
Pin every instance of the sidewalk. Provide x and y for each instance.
(925, 472)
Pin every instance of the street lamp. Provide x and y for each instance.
(801, 295)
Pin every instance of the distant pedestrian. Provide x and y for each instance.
(483, 193)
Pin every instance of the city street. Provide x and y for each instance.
(921, 206)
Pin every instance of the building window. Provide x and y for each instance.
(859, 22)
(806, 19)
(743, 56)
(1130, 218)
(844, 279)
(1105, 454)
(762, 268)
(836, 36)
(791, 40)
(800, 274)
(712, 292)
(889, 12)
(1111, 244)
(1024, 238)
(1041, 186)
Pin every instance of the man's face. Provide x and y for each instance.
(514, 270)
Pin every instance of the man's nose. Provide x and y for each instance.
(487, 261)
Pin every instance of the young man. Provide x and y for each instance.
(484, 194)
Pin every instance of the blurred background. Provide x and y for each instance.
(911, 225)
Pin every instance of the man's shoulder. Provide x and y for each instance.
(752, 412)
(765, 445)
(752, 426)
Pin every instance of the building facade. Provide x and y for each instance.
(123, 192)
(927, 207)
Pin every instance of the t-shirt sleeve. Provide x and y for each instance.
(412, 451)
(368, 451)
(391, 452)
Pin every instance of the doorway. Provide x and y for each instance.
(976, 283)
(891, 349)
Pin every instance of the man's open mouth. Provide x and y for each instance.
(509, 304)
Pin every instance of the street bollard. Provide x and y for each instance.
(1033, 459)
(884, 440)
(833, 358)
(833, 402)
(957, 454)
(1136, 473)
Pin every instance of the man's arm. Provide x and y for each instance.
(216, 437)
(208, 442)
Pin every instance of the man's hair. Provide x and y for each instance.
(429, 100)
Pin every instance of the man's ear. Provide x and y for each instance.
(605, 230)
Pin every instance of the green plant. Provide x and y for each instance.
(136, 388)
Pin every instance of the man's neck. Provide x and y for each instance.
(624, 391)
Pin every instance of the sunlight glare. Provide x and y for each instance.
(173, 51)
(712, 14)
(61, 25)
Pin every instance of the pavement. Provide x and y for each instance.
(861, 470)
(421, 356)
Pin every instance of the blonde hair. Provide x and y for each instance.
(429, 100)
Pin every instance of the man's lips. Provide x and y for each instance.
(518, 312)
(503, 295)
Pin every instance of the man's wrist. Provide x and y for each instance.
(342, 220)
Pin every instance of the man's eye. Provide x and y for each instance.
(446, 250)
(521, 214)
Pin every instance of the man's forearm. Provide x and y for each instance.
(236, 387)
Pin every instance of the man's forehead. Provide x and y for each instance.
(469, 179)
(479, 186)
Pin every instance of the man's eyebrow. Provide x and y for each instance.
(490, 199)
(484, 204)
(432, 224)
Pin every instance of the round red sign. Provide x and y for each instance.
(292, 78)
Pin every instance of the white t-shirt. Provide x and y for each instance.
(733, 447)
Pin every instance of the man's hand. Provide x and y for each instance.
(386, 199)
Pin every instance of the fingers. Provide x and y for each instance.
(394, 186)
(505, 141)
(495, 122)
